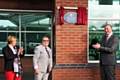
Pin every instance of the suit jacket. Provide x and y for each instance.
(41, 60)
(108, 50)
(9, 57)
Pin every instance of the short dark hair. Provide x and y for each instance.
(108, 25)
(45, 37)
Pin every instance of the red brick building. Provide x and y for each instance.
(71, 62)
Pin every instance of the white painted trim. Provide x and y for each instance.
(68, 7)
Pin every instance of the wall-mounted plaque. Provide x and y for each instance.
(71, 17)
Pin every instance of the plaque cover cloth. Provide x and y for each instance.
(82, 16)
(61, 15)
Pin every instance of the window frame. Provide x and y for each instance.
(20, 12)
(108, 19)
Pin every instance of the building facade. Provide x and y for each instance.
(68, 41)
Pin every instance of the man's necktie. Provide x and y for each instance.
(106, 39)
(47, 52)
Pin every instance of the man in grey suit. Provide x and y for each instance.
(107, 48)
(42, 60)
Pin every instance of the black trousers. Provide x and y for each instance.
(107, 72)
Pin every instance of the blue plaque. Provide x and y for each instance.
(71, 17)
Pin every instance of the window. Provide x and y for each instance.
(99, 14)
(29, 28)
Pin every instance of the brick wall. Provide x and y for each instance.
(1, 64)
(70, 38)
(71, 44)
(72, 74)
(71, 48)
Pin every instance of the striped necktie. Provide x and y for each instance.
(47, 52)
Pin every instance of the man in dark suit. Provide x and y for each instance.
(107, 48)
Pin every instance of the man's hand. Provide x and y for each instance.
(50, 69)
(96, 46)
(37, 71)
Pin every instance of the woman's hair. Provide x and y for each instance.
(11, 38)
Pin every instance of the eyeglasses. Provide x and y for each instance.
(45, 40)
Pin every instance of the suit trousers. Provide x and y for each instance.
(107, 72)
(41, 76)
(10, 75)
